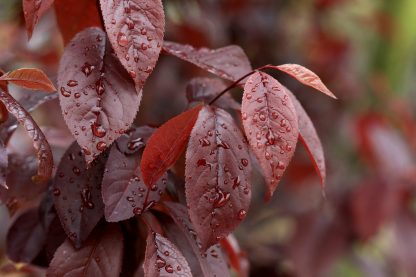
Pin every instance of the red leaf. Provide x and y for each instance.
(166, 145)
(77, 194)
(124, 192)
(33, 10)
(218, 188)
(212, 262)
(310, 139)
(26, 237)
(205, 89)
(30, 78)
(229, 62)
(98, 99)
(271, 125)
(163, 258)
(85, 13)
(40, 143)
(305, 76)
(101, 255)
(135, 29)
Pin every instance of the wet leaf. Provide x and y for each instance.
(271, 125)
(98, 99)
(135, 29)
(4, 162)
(229, 62)
(100, 256)
(40, 143)
(26, 237)
(305, 76)
(166, 145)
(86, 12)
(163, 258)
(29, 78)
(124, 193)
(310, 139)
(212, 262)
(205, 89)
(33, 10)
(77, 194)
(218, 171)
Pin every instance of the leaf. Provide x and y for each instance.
(229, 62)
(33, 10)
(135, 29)
(124, 193)
(212, 261)
(98, 98)
(101, 256)
(205, 89)
(166, 145)
(305, 76)
(218, 171)
(40, 143)
(26, 237)
(163, 258)
(85, 13)
(29, 78)
(4, 162)
(310, 139)
(271, 125)
(77, 194)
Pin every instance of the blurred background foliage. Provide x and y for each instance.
(364, 50)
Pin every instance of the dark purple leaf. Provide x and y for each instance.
(271, 125)
(205, 89)
(229, 62)
(124, 192)
(135, 29)
(212, 262)
(134, 140)
(163, 258)
(77, 194)
(98, 98)
(4, 162)
(40, 143)
(100, 256)
(218, 171)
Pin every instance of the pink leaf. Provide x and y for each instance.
(98, 99)
(229, 62)
(77, 194)
(163, 258)
(218, 188)
(135, 29)
(271, 125)
(101, 255)
(33, 10)
(305, 76)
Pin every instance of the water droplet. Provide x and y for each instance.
(135, 144)
(98, 130)
(262, 117)
(101, 146)
(236, 182)
(122, 39)
(224, 145)
(99, 87)
(201, 162)
(143, 31)
(77, 95)
(87, 69)
(244, 162)
(244, 116)
(56, 192)
(270, 137)
(132, 74)
(72, 83)
(204, 142)
(169, 269)
(137, 211)
(143, 47)
(242, 214)
(280, 165)
(248, 96)
(76, 170)
(160, 262)
(65, 92)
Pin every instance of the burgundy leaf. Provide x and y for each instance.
(124, 192)
(4, 162)
(100, 256)
(229, 62)
(310, 139)
(271, 125)
(305, 76)
(205, 89)
(166, 145)
(33, 10)
(77, 192)
(135, 29)
(67, 10)
(26, 237)
(212, 262)
(98, 99)
(40, 143)
(163, 258)
(218, 171)
(29, 78)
